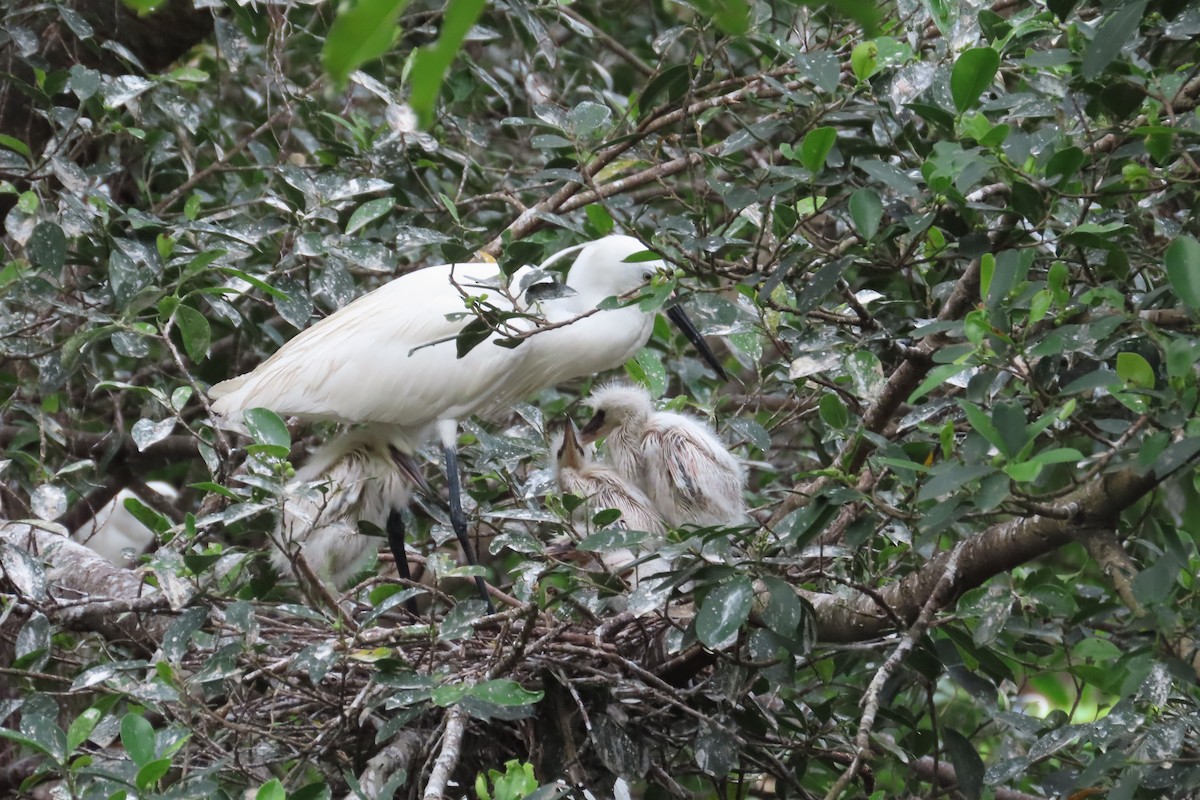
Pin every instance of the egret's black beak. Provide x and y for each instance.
(676, 314)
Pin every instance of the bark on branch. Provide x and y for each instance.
(997, 549)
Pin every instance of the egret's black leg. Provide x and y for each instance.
(459, 521)
(395, 534)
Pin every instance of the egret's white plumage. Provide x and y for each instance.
(389, 358)
(685, 469)
(353, 477)
(117, 534)
(602, 487)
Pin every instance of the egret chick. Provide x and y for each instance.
(353, 477)
(683, 466)
(390, 360)
(602, 487)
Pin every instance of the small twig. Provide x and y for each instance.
(862, 742)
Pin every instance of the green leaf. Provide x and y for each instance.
(724, 610)
(1183, 270)
(732, 16)
(816, 146)
(968, 766)
(1110, 37)
(586, 117)
(672, 83)
(359, 34)
(783, 611)
(1135, 371)
(26, 741)
(866, 209)
(942, 13)
(82, 728)
(599, 221)
(936, 377)
(654, 374)
(266, 427)
(16, 145)
(982, 423)
(1010, 422)
(833, 411)
(973, 73)
(194, 329)
(473, 334)
(864, 58)
(271, 790)
(367, 213)
(151, 772)
(429, 64)
(47, 246)
(137, 735)
(505, 692)
(448, 695)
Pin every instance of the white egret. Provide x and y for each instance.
(389, 358)
(679, 460)
(117, 534)
(602, 487)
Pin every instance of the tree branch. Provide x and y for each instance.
(998, 549)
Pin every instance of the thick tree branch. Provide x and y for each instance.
(998, 549)
(83, 591)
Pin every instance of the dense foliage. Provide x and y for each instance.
(952, 268)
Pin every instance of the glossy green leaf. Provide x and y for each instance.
(271, 790)
(267, 427)
(1111, 36)
(367, 213)
(973, 73)
(816, 147)
(137, 736)
(194, 330)
(82, 727)
(1135, 370)
(833, 411)
(723, 612)
(866, 209)
(1183, 270)
(864, 59)
(430, 63)
(360, 33)
(506, 692)
(151, 772)
(47, 246)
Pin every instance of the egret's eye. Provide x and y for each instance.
(647, 275)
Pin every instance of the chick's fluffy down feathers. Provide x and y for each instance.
(352, 478)
(685, 469)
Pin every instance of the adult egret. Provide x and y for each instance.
(681, 463)
(389, 358)
(602, 487)
(114, 532)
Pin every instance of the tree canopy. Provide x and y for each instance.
(947, 252)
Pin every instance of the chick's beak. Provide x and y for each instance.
(570, 454)
(592, 429)
(676, 314)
